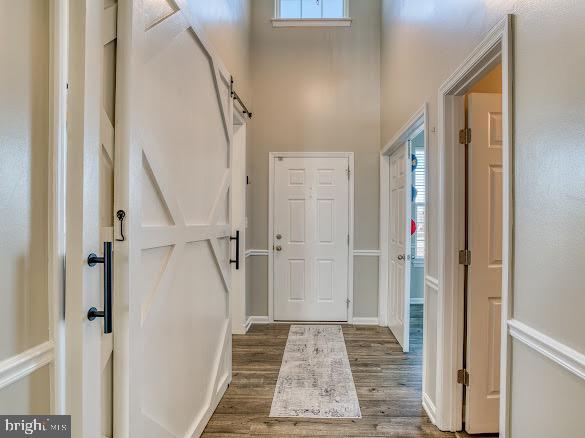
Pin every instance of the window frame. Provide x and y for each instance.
(345, 21)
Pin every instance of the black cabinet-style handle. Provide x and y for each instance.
(107, 260)
(237, 239)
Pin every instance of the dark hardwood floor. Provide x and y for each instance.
(388, 384)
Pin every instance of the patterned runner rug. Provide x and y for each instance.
(315, 379)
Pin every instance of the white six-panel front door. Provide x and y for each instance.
(310, 241)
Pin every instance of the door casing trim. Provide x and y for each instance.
(418, 119)
(496, 47)
(271, 157)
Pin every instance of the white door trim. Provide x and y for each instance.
(271, 157)
(58, 69)
(418, 119)
(238, 211)
(496, 47)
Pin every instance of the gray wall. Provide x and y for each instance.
(317, 90)
(421, 46)
(227, 25)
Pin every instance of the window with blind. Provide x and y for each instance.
(419, 204)
(311, 9)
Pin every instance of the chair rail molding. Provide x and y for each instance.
(366, 252)
(255, 252)
(562, 354)
(25, 363)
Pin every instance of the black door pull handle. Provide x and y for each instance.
(106, 260)
(237, 260)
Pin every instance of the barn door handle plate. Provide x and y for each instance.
(106, 260)
(237, 260)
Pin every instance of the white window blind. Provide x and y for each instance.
(419, 203)
(300, 9)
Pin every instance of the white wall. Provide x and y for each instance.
(24, 176)
(317, 90)
(422, 44)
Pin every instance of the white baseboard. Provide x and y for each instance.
(417, 300)
(429, 408)
(365, 320)
(256, 320)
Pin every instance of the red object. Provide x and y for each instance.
(412, 227)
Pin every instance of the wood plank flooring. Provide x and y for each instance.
(388, 383)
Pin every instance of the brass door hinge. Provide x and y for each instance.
(463, 377)
(465, 136)
(465, 257)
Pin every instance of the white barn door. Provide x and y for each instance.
(400, 247)
(311, 238)
(173, 158)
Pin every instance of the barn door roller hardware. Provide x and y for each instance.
(237, 98)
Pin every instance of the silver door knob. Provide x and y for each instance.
(278, 248)
(279, 236)
(400, 256)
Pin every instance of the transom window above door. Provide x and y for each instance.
(311, 13)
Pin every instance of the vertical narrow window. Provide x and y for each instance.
(419, 203)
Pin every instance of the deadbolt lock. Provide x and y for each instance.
(279, 236)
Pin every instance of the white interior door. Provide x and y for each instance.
(400, 248)
(108, 217)
(311, 238)
(89, 215)
(173, 178)
(485, 272)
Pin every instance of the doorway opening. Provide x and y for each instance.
(403, 241)
(482, 253)
(403, 191)
(417, 238)
(474, 241)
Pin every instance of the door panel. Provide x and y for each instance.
(311, 228)
(485, 273)
(106, 192)
(175, 179)
(400, 248)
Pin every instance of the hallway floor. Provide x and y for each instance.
(388, 384)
